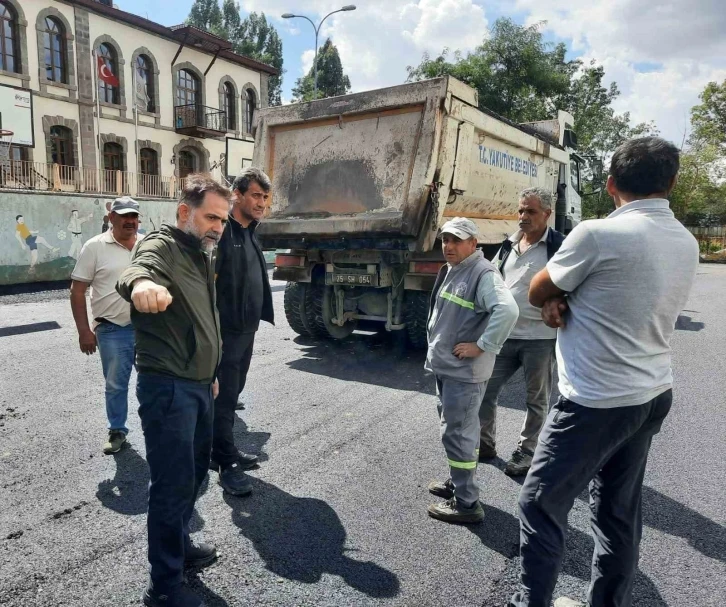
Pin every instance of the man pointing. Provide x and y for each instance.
(171, 284)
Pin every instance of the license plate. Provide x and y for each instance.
(352, 279)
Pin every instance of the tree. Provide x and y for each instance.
(332, 81)
(708, 120)
(253, 37)
(515, 71)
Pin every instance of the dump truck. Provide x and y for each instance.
(362, 183)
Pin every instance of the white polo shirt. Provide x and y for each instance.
(100, 263)
(518, 271)
(629, 277)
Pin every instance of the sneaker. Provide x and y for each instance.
(178, 596)
(452, 512)
(445, 489)
(234, 481)
(116, 440)
(246, 460)
(563, 601)
(519, 463)
(198, 554)
(486, 452)
(240, 406)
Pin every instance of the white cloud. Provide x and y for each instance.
(306, 60)
(682, 42)
(378, 40)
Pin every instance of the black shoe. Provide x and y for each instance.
(246, 461)
(179, 596)
(240, 406)
(487, 453)
(199, 554)
(234, 481)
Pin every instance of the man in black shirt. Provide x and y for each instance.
(244, 299)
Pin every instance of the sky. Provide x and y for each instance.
(661, 54)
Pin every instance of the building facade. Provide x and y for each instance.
(195, 94)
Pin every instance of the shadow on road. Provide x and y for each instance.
(684, 323)
(127, 492)
(211, 598)
(379, 359)
(250, 442)
(302, 538)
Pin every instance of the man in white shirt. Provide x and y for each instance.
(531, 344)
(99, 266)
(615, 290)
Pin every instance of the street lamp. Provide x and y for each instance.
(348, 7)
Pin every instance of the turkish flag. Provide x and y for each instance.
(105, 73)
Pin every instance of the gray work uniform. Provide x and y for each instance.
(470, 303)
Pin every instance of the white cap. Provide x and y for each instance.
(461, 227)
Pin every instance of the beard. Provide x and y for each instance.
(207, 240)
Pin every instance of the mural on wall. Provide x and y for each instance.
(75, 227)
(50, 229)
(30, 239)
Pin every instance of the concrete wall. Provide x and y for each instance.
(49, 218)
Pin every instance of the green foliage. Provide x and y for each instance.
(253, 37)
(708, 119)
(332, 81)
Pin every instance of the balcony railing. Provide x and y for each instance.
(40, 176)
(199, 120)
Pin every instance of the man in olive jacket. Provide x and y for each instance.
(170, 283)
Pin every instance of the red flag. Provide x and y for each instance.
(105, 73)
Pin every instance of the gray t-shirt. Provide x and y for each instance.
(629, 277)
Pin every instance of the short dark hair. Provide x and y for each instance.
(17, 217)
(645, 166)
(196, 187)
(251, 174)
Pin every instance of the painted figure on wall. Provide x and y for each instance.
(75, 227)
(30, 239)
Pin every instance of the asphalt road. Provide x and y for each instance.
(349, 439)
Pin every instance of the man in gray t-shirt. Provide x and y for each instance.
(614, 290)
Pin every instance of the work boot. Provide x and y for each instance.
(486, 452)
(453, 512)
(563, 601)
(246, 460)
(116, 440)
(178, 596)
(445, 489)
(198, 554)
(519, 463)
(234, 481)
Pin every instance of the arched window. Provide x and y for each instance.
(250, 105)
(145, 80)
(187, 88)
(108, 92)
(54, 48)
(187, 163)
(230, 106)
(149, 161)
(9, 60)
(113, 157)
(61, 145)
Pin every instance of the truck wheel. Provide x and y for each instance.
(312, 311)
(415, 315)
(323, 302)
(294, 300)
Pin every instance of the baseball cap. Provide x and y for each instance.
(461, 227)
(124, 205)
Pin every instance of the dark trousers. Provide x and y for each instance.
(607, 448)
(176, 417)
(236, 356)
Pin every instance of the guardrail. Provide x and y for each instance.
(40, 176)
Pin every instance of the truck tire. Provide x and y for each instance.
(415, 315)
(294, 301)
(322, 304)
(313, 311)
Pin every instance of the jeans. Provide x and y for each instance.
(176, 417)
(116, 347)
(537, 358)
(458, 407)
(607, 448)
(236, 357)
